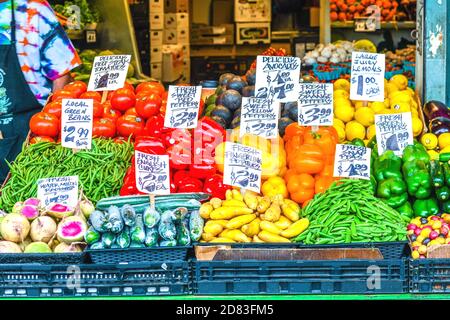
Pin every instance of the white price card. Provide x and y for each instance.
(277, 78)
(259, 117)
(109, 72)
(315, 104)
(352, 162)
(183, 103)
(394, 132)
(76, 123)
(242, 167)
(152, 173)
(367, 76)
(58, 190)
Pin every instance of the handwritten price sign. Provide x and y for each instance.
(183, 104)
(277, 78)
(259, 117)
(394, 132)
(152, 173)
(315, 103)
(58, 190)
(367, 76)
(109, 72)
(242, 167)
(76, 123)
(352, 162)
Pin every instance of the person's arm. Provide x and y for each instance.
(59, 83)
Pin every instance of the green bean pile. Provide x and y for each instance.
(348, 212)
(100, 170)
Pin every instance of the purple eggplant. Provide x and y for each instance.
(439, 125)
(436, 109)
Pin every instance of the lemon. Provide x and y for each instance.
(400, 96)
(341, 133)
(411, 91)
(390, 87)
(414, 113)
(401, 107)
(429, 141)
(338, 123)
(340, 101)
(400, 81)
(387, 103)
(445, 150)
(417, 126)
(371, 132)
(354, 130)
(444, 140)
(434, 155)
(341, 94)
(344, 113)
(366, 142)
(377, 106)
(358, 104)
(365, 116)
(341, 84)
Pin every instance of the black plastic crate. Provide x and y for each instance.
(138, 255)
(348, 276)
(43, 258)
(157, 278)
(429, 276)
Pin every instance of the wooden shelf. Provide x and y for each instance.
(384, 25)
(232, 51)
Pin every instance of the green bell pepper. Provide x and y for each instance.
(393, 192)
(443, 193)
(358, 142)
(425, 207)
(415, 152)
(388, 165)
(418, 179)
(445, 206)
(406, 211)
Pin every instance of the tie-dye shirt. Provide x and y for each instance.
(45, 52)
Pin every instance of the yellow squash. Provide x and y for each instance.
(251, 199)
(291, 209)
(205, 210)
(267, 236)
(270, 227)
(283, 223)
(273, 213)
(238, 222)
(213, 228)
(225, 213)
(296, 228)
(251, 229)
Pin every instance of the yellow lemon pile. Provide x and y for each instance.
(355, 119)
(436, 144)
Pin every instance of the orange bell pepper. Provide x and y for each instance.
(293, 130)
(309, 158)
(301, 187)
(326, 138)
(328, 170)
(323, 183)
(289, 173)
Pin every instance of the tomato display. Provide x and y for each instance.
(44, 124)
(148, 105)
(54, 108)
(129, 125)
(123, 99)
(77, 87)
(98, 109)
(58, 95)
(91, 95)
(104, 127)
(151, 86)
(110, 113)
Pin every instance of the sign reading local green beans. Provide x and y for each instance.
(76, 123)
(58, 190)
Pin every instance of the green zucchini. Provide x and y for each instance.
(108, 239)
(446, 168)
(437, 174)
(128, 215)
(167, 230)
(123, 240)
(137, 232)
(97, 246)
(115, 221)
(168, 243)
(151, 217)
(137, 245)
(183, 238)
(91, 236)
(196, 224)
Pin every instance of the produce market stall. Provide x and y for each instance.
(326, 176)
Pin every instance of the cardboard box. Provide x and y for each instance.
(186, 73)
(222, 12)
(184, 48)
(252, 10)
(176, 20)
(253, 33)
(156, 38)
(156, 70)
(156, 54)
(219, 35)
(176, 36)
(175, 6)
(156, 6)
(156, 21)
(173, 63)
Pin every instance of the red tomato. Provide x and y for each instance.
(146, 92)
(156, 86)
(121, 140)
(130, 125)
(91, 95)
(128, 85)
(77, 87)
(98, 109)
(54, 108)
(123, 99)
(131, 112)
(39, 139)
(104, 128)
(155, 125)
(44, 124)
(148, 106)
(58, 95)
(110, 113)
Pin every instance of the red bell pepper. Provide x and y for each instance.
(150, 145)
(202, 171)
(208, 133)
(154, 126)
(129, 183)
(180, 175)
(177, 137)
(189, 184)
(215, 186)
(179, 158)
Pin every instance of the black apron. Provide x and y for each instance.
(17, 103)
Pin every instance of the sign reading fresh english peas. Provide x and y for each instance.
(352, 162)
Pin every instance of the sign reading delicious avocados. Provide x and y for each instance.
(109, 72)
(58, 190)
